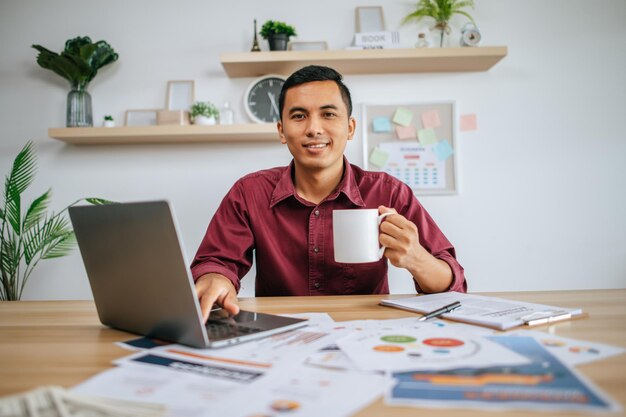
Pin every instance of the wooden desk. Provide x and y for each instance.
(63, 342)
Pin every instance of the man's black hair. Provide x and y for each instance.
(315, 73)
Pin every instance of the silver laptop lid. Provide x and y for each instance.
(136, 267)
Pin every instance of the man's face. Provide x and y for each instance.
(316, 126)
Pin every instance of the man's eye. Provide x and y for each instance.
(297, 116)
(330, 114)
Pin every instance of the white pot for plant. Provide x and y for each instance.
(203, 120)
(109, 123)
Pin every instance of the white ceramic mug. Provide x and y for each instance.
(355, 235)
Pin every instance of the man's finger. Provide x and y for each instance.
(206, 303)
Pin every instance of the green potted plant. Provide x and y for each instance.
(28, 237)
(441, 11)
(204, 113)
(277, 34)
(108, 121)
(78, 63)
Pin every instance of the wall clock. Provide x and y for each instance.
(261, 98)
(470, 35)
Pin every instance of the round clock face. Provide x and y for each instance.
(470, 37)
(261, 99)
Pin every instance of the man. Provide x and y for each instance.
(285, 214)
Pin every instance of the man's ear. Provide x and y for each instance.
(351, 127)
(279, 126)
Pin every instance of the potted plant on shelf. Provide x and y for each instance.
(277, 34)
(441, 11)
(108, 121)
(204, 113)
(27, 238)
(78, 63)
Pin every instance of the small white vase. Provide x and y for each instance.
(109, 123)
(203, 120)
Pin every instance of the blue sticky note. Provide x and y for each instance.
(381, 125)
(443, 150)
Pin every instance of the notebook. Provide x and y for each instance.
(497, 313)
(140, 281)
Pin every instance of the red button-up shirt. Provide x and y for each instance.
(291, 239)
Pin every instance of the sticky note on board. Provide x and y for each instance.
(381, 125)
(443, 150)
(427, 136)
(404, 133)
(468, 122)
(379, 157)
(430, 119)
(402, 116)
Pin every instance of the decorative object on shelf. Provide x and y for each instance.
(78, 63)
(227, 115)
(422, 42)
(369, 19)
(308, 46)
(180, 95)
(441, 11)
(204, 113)
(141, 117)
(108, 121)
(470, 35)
(255, 42)
(27, 238)
(172, 117)
(277, 34)
(261, 98)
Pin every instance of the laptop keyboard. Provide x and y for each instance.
(220, 330)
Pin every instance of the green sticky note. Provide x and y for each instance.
(379, 158)
(427, 136)
(402, 116)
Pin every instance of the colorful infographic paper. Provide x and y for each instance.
(414, 164)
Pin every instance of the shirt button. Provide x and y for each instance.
(316, 212)
(316, 249)
(316, 285)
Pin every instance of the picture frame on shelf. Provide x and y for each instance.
(308, 46)
(180, 95)
(143, 117)
(369, 19)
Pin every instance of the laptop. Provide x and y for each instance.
(141, 284)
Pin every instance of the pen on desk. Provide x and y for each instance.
(440, 311)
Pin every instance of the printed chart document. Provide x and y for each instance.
(543, 384)
(497, 313)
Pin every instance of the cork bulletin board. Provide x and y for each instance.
(414, 142)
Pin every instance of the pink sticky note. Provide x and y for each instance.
(468, 122)
(430, 119)
(406, 132)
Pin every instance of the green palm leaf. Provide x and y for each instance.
(37, 210)
(40, 237)
(60, 245)
(98, 201)
(21, 176)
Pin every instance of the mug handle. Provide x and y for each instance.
(381, 251)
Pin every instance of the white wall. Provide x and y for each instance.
(542, 190)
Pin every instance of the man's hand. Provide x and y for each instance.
(403, 249)
(216, 289)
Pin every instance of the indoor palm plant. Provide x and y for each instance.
(277, 34)
(78, 63)
(441, 11)
(27, 238)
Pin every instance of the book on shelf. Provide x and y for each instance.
(493, 312)
(376, 40)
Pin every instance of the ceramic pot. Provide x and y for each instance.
(203, 120)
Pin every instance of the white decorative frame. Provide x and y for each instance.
(308, 46)
(370, 19)
(180, 95)
(141, 117)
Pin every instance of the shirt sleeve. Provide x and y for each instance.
(228, 244)
(431, 238)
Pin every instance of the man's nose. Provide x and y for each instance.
(314, 127)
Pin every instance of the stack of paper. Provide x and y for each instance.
(53, 401)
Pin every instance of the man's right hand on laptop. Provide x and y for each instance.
(216, 289)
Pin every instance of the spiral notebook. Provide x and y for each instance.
(493, 312)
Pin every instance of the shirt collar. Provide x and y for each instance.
(348, 186)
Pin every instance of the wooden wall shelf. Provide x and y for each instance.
(250, 132)
(372, 61)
